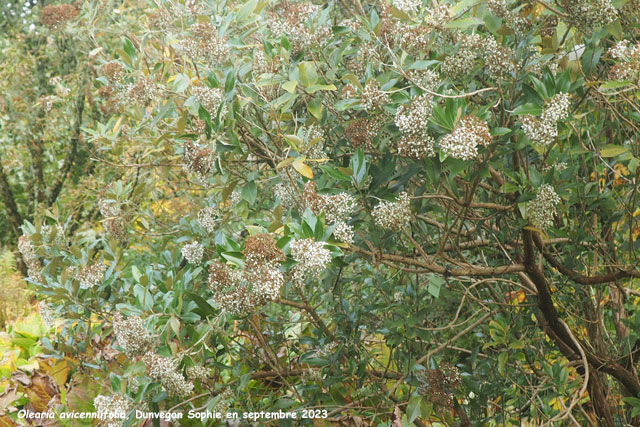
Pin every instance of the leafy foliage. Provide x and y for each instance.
(397, 212)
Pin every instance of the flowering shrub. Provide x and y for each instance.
(396, 211)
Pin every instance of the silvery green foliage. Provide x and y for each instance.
(310, 202)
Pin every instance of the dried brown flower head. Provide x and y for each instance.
(260, 249)
(362, 131)
(57, 15)
(113, 71)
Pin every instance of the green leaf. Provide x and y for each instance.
(180, 83)
(465, 23)
(233, 257)
(315, 88)
(413, 408)
(359, 166)
(246, 10)
(286, 162)
(290, 86)
(502, 362)
(435, 283)
(307, 74)
(315, 108)
(459, 7)
(128, 47)
(294, 141)
(250, 192)
(500, 131)
(615, 84)
(611, 150)
(528, 108)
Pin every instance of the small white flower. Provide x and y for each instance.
(542, 209)
(393, 216)
(193, 252)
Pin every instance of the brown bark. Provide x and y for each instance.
(13, 215)
(599, 400)
(72, 154)
(552, 326)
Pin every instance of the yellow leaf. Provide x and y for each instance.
(302, 169)
(117, 125)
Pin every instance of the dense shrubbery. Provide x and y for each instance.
(393, 211)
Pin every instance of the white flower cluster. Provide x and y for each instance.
(407, 6)
(165, 370)
(372, 98)
(623, 51)
(194, 7)
(344, 232)
(439, 16)
(193, 252)
(415, 39)
(198, 372)
(501, 9)
(46, 231)
(224, 403)
(463, 60)
(427, 79)
(412, 119)
(161, 20)
(91, 275)
(312, 259)
(416, 146)
(589, 14)
(500, 61)
(629, 67)
(206, 44)
(260, 63)
(234, 198)
(463, 142)
(112, 410)
(412, 122)
(337, 209)
(131, 335)
(393, 216)
(289, 19)
(557, 166)
(242, 291)
(113, 222)
(266, 281)
(46, 102)
(33, 263)
(211, 100)
(208, 218)
(144, 91)
(46, 314)
(352, 23)
(543, 131)
(286, 193)
(367, 54)
(314, 138)
(198, 161)
(327, 350)
(542, 209)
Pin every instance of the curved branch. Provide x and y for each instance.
(435, 268)
(627, 272)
